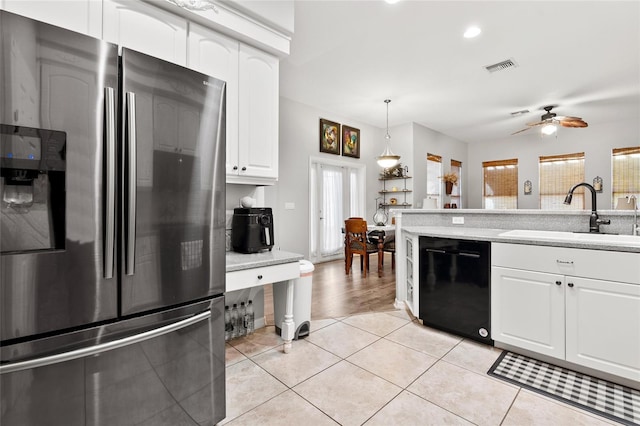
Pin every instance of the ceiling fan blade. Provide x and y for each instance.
(538, 123)
(565, 118)
(574, 124)
(520, 131)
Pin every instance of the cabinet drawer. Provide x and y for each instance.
(597, 264)
(253, 277)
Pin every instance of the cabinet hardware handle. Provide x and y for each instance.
(244, 169)
(565, 262)
(570, 284)
(235, 167)
(259, 277)
(558, 282)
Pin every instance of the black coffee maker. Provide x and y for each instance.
(252, 229)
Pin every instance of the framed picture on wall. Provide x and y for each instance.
(350, 142)
(329, 137)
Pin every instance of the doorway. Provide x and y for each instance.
(337, 192)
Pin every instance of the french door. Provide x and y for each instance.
(337, 192)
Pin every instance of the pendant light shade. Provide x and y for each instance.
(387, 158)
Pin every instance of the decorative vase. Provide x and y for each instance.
(448, 187)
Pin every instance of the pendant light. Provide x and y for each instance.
(388, 158)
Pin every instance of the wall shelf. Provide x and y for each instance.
(387, 194)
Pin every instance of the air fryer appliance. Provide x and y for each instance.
(112, 274)
(252, 229)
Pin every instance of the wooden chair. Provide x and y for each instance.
(356, 242)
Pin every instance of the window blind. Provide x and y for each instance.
(500, 184)
(626, 173)
(557, 174)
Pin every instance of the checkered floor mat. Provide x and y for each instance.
(616, 402)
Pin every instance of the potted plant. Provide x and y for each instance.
(449, 179)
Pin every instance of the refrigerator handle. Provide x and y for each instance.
(104, 347)
(110, 191)
(131, 184)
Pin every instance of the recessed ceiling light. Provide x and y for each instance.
(472, 32)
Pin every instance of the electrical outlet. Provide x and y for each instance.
(457, 220)
(289, 206)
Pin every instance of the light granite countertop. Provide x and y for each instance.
(482, 234)
(240, 261)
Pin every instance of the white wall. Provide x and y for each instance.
(299, 139)
(426, 141)
(596, 141)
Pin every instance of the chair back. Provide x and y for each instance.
(355, 230)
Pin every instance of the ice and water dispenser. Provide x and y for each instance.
(32, 189)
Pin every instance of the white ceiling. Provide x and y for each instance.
(348, 56)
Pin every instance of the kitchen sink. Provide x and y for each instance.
(623, 240)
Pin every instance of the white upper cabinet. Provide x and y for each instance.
(82, 16)
(147, 29)
(216, 55)
(258, 138)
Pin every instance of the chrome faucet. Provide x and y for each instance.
(594, 220)
(635, 228)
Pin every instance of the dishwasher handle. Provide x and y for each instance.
(473, 255)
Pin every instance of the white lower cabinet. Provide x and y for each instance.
(603, 325)
(528, 310)
(558, 302)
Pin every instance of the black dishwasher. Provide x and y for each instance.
(454, 286)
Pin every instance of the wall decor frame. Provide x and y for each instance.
(329, 137)
(350, 141)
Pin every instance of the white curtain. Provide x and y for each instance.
(337, 192)
(332, 210)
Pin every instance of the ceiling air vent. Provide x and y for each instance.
(509, 63)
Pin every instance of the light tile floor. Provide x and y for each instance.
(381, 368)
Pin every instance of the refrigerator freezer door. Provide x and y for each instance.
(168, 374)
(54, 82)
(173, 184)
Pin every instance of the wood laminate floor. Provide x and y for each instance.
(336, 294)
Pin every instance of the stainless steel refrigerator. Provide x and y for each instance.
(112, 220)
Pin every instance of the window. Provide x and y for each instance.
(434, 171)
(500, 184)
(626, 174)
(456, 193)
(558, 173)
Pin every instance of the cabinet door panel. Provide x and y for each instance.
(603, 326)
(528, 310)
(147, 29)
(216, 55)
(258, 147)
(82, 16)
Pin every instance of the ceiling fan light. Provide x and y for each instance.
(549, 129)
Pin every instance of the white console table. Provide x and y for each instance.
(257, 269)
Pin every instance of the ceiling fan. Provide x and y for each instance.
(550, 119)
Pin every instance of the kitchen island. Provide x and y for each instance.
(557, 294)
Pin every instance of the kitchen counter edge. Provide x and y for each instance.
(493, 235)
(241, 261)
